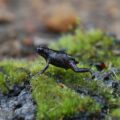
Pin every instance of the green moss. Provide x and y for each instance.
(87, 45)
(116, 114)
(2, 84)
(54, 101)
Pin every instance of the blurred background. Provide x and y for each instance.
(25, 24)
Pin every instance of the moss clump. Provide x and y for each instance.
(12, 71)
(54, 101)
(90, 45)
(2, 83)
(116, 114)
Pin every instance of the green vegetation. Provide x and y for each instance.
(87, 45)
(56, 101)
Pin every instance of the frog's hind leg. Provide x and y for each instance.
(81, 69)
(76, 69)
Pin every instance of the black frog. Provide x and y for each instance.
(59, 59)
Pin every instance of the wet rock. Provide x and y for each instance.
(115, 85)
(25, 111)
(20, 107)
(82, 91)
(99, 99)
(5, 115)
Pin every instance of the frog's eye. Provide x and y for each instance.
(39, 49)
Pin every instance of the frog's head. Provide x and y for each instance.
(41, 50)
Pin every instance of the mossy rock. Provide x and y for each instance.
(55, 90)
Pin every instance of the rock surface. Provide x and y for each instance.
(19, 107)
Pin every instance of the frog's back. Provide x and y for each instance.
(61, 60)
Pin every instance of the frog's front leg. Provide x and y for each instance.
(76, 69)
(45, 68)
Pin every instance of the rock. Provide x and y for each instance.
(25, 112)
(6, 115)
(60, 18)
(19, 107)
